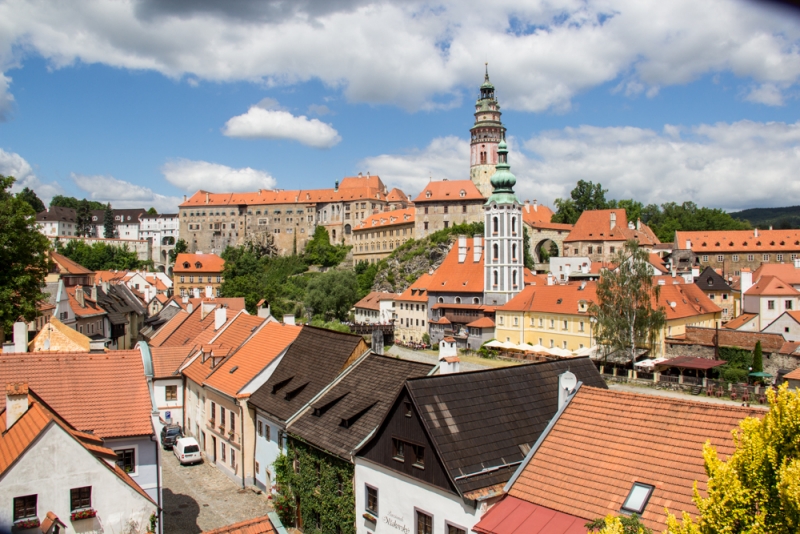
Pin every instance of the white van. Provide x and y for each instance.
(187, 451)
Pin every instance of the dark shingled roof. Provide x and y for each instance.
(709, 280)
(362, 398)
(312, 362)
(478, 421)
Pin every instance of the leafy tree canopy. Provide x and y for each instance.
(585, 196)
(320, 251)
(618, 525)
(29, 196)
(181, 246)
(332, 294)
(72, 202)
(101, 257)
(757, 489)
(23, 256)
(152, 211)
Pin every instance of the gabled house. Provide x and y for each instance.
(70, 272)
(411, 308)
(167, 382)
(768, 298)
(378, 307)
(787, 324)
(718, 291)
(90, 318)
(607, 452)
(599, 234)
(450, 443)
(314, 360)
(90, 492)
(323, 435)
(58, 337)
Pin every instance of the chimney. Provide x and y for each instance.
(185, 298)
(630, 226)
(207, 197)
(20, 336)
(264, 310)
(638, 224)
(688, 244)
(220, 316)
(797, 263)
(756, 232)
(535, 205)
(661, 281)
(336, 185)
(94, 293)
(288, 318)
(184, 198)
(16, 402)
(189, 307)
(97, 345)
(613, 220)
(527, 206)
(79, 296)
(550, 279)
(462, 248)
(477, 248)
(745, 280)
(206, 308)
(196, 292)
(209, 292)
(567, 382)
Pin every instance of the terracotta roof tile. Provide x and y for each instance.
(396, 195)
(789, 347)
(198, 263)
(553, 299)
(418, 291)
(771, 285)
(90, 307)
(78, 340)
(785, 271)
(595, 225)
(794, 375)
(373, 300)
(385, 219)
(483, 322)
(168, 328)
(454, 277)
(258, 525)
(606, 440)
(738, 322)
(739, 240)
(66, 265)
(191, 327)
(449, 190)
(167, 360)
(109, 381)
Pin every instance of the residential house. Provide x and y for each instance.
(447, 203)
(166, 380)
(126, 314)
(470, 325)
(558, 493)
(787, 324)
(315, 359)
(197, 274)
(103, 394)
(685, 306)
(788, 272)
(600, 234)
(56, 221)
(449, 443)
(325, 432)
(68, 271)
(544, 237)
(90, 318)
(718, 291)
(126, 223)
(163, 231)
(566, 268)
(793, 378)
(376, 237)
(746, 322)
(768, 298)
(398, 200)
(54, 477)
(376, 308)
(58, 337)
(411, 310)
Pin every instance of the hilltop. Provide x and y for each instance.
(787, 217)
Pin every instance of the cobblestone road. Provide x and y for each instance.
(200, 497)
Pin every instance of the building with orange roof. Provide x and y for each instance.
(446, 203)
(72, 273)
(398, 200)
(617, 449)
(600, 234)
(90, 318)
(768, 298)
(376, 308)
(212, 221)
(197, 275)
(411, 308)
(55, 336)
(375, 237)
(257, 525)
(787, 324)
(788, 272)
(543, 235)
(35, 443)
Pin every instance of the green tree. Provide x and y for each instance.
(757, 489)
(23, 256)
(527, 257)
(29, 196)
(618, 525)
(332, 294)
(585, 196)
(108, 222)
(633, 208)
(72, 202)
(152, 211)
(83, 218)
(181, 246)
(101, 256)
(625, 312)
(365, 274)
(320, 251)
(671, 217)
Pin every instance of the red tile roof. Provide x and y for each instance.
(685, 300)
(794, 375)
(67, 266)
(191, 327)
(516, 516)
(396, 195)
(483, 322)
(418, 291)
(772, 286)
(385, 219)
(167, 360)
(168, 328)
(452, 190)
(739, 240)
(738, 322)
(104, 393)
(258, 525)
(90, 307)
(606, 440)
(532, 213)
(595, 225)
(198, 263)
(564, 299)
(233, 303)
(785, 271)
(454, 277)
(373, 300)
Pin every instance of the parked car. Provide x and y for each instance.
(170, 433)
(187, 451)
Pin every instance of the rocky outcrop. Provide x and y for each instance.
(407, 264)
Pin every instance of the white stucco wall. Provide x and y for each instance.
(267, 451)
(57, 463)
(175, 407)
(400, 496)
(147, 461)
(785, 326)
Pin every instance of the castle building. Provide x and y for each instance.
(486, 134)
(504, 264)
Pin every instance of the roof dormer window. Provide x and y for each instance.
(637, 498)
(427, 194)
(197, 264)
(186, 265)
(462, 193)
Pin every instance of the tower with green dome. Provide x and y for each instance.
(504, 274)
(486, 134)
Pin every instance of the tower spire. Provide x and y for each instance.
(486, 77)
(486, 134)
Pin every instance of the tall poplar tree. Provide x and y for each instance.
(108, 222)
(83, 218)
(626, 309)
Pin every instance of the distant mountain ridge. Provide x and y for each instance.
(778, 218)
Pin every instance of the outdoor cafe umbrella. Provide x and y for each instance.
(760, 374)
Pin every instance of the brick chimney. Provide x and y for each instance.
(16, 402)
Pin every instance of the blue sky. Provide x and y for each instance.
(139, 103)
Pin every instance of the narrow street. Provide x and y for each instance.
(200, 497)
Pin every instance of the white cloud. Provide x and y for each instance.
(767, 93)
(6, 98)
(415, 54)
(190, 176)
(122, 194)
(260, 123)
(12, 164)
(727, 165)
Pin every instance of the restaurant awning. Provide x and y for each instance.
(760, 374)
(649, 364)
(515, 516)
(692, 362)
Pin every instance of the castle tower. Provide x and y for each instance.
(503, 254)
(487, 132)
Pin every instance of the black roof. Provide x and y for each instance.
(57, 213)
(313, 361)
(340, 419)
(709, 280)
(481, 420)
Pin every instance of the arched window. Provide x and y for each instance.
(347, 229)
(476, 300)
(514, 225)
(514, 278)
(494, 278)
(440, 300)
(494, 224)
(495, 251)
(458, 300)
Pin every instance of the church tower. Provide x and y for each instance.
(487, 132)
(503, 254)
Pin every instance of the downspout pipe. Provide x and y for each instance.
(241, 437)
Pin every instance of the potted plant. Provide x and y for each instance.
(23, 524)
(86, 513)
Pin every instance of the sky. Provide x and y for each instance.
(138, 103)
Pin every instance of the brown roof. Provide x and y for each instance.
(167, 360)
(692, 362)
(595, 225)
(57, 213)
(385, 219)
(198, 263)
(696, 335)
(771, 285)
(104, 393)
(739, 240)
(740, 321)
(253, 356)
(452, 190)
(794, 375)
(454, 277)
(372, 301)
(257, 525)
(606, 440)
(67, 266)
(789, 347)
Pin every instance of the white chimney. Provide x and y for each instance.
(550, 279)
(97, 345)
(196, 292)
(567, 382)
(631, 226)
(189, 307)
(797, 263)
(209, 292)
(79, 296)
(613, 220)
(264, 310)
(206, 308)
(688, 244)
(20, 336)
(745, 281)
(185, 298)
(638, 224)
(477, 248)
(462, 248)
(288, 318)
(756, 232)
(220, 316)
(16, 402)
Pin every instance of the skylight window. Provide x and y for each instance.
(637, 498)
